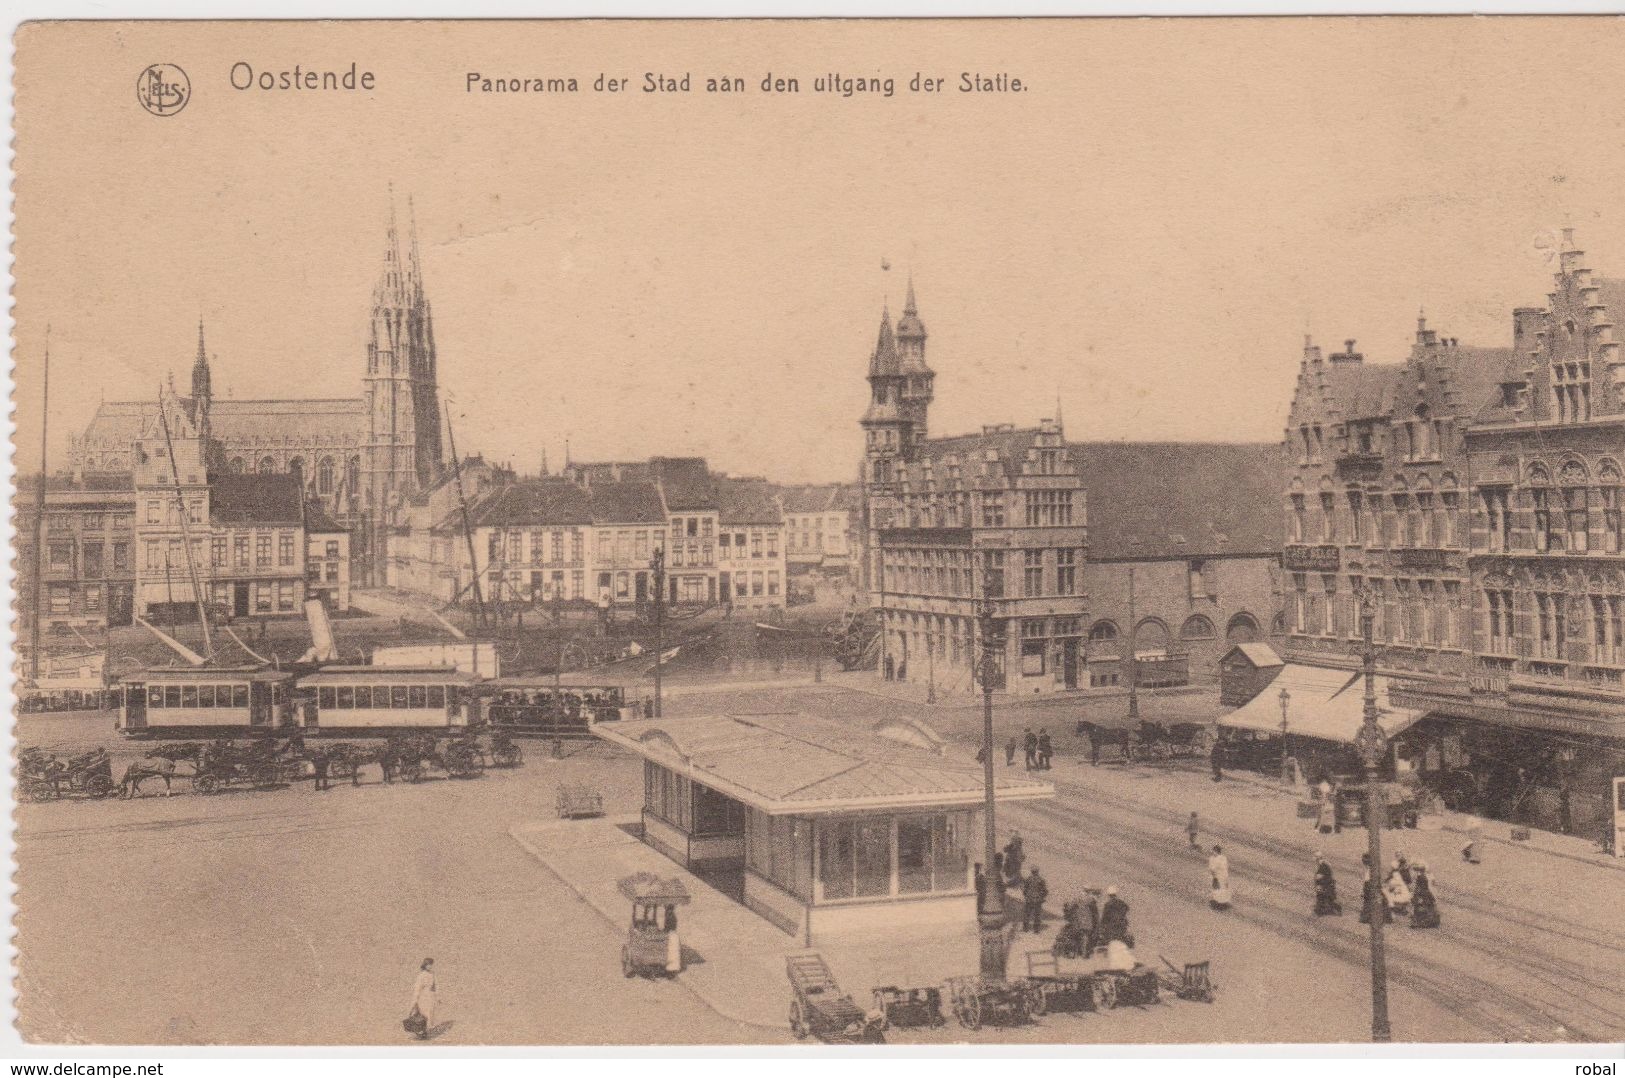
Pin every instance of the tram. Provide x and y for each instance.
(536, 706)
(201, 701)
(373, 701)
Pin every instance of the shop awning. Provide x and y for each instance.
(1323, 703)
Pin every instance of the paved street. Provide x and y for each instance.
(311, 911)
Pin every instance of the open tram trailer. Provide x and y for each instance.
(202, 701)
(536, 706)
(375, 701)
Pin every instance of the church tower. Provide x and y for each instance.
(401, 452)
(917, 387)
(202, 392)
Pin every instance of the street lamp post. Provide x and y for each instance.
(990, 901)
(1286, 699)
(658, 564)
(1133, 654)
(1373, 745)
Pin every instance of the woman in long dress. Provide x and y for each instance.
(1397, 894)
(674, 946)
(423, 996)
(1326, 903)
(1424, 903)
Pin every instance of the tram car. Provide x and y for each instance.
(203, 701)
(536, 706)
(375, 701)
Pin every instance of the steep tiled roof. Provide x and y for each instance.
(746, 501)
(805, 499)
(323, 422)
(1181, 499)
(1009, 443)
(1364, 390)
(686, 482)
(535, 503)
(626, 502)
(318, 521)
(255, 499)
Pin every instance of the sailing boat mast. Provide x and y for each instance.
(468, 531)
(186, 533)
(39, 522)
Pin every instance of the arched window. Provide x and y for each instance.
(267, 465)
(1243, 629)
(1103, 630)
(352, 477)
(236, 465)
(1196, 627)
(1152, 633)
(296, 468)
(324, 476)
(1278, 625)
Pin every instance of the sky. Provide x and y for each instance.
(1140, 239)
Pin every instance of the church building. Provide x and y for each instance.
(358, 458)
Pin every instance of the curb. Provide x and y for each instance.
(688, 986)
(1478, 829)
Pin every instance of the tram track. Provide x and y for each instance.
(1270, 907)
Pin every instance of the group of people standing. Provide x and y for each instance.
(1038, 750)
(1406, 891)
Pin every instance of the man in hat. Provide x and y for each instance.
(1029, 744)
(1326, 903)
(1045, 750)
(1033, 893)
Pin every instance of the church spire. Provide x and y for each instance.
(414, 273)
(201, 380)
(884, 360)
(909, 307)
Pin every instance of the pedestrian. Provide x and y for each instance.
(1015, 855)
(1424, 901)
(1371, 896)
(1192, 829)
(423, 1000)
(319, 762)
(1218, 772)
(981, 754)
(1046, 750)
(1033, 892)
(1114, 934)
(1326, 816)
(1326, 903)
(674, 946)
(1010, 752)
(1402, 865)
(1218, 867)
(1029, 744)
(1565, 811)
(1397, 893)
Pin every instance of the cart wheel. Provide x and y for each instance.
(626, 960)
(1206, 995)
(39, 791)
(99, 786)
(205, 784)
(798, 1021)
(412, 772)
(1103, 993)
(266, 778)
(969, 1011)
(1037, 1002)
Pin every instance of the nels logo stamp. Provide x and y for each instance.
(163, 89)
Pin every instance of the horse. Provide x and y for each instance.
(188, 751)
(130, 785)
(1107, 736)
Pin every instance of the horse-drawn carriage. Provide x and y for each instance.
(1110, 743)
(819, 1007)
(258, 765)
(413, 755)
(1169, 741)
(43, 776)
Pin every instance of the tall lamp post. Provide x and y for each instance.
(1286, 700)
(1133, 654)
(1372, 744)
(658, 564)
(990, 901)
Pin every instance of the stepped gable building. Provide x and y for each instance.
(1475, 494)
(821, 531)
(949, 520)
(360, 459)
(1184, 555)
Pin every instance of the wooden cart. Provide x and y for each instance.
(579, 802)
(977, 1002)
(1067, 993)
(910, 1008)
(1193, 982)
(819, 1007)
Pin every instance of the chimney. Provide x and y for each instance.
(1526, 322)
(1348, 356)
(1311, 351)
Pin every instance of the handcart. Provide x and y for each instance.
(1193, 982)
(977, 1002)
(577, 802)
(910, 1008)
(819, 1007)
(1067, 993)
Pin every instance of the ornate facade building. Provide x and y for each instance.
(948, 522)
(360, 459)
(1475, 494)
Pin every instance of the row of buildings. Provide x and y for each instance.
(153, 543)
(590, 533)
(1084, 551)
(1469, 498)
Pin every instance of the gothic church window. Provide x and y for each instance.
(267, 465)
(324, 476)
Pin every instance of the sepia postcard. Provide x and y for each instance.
(923, 532)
